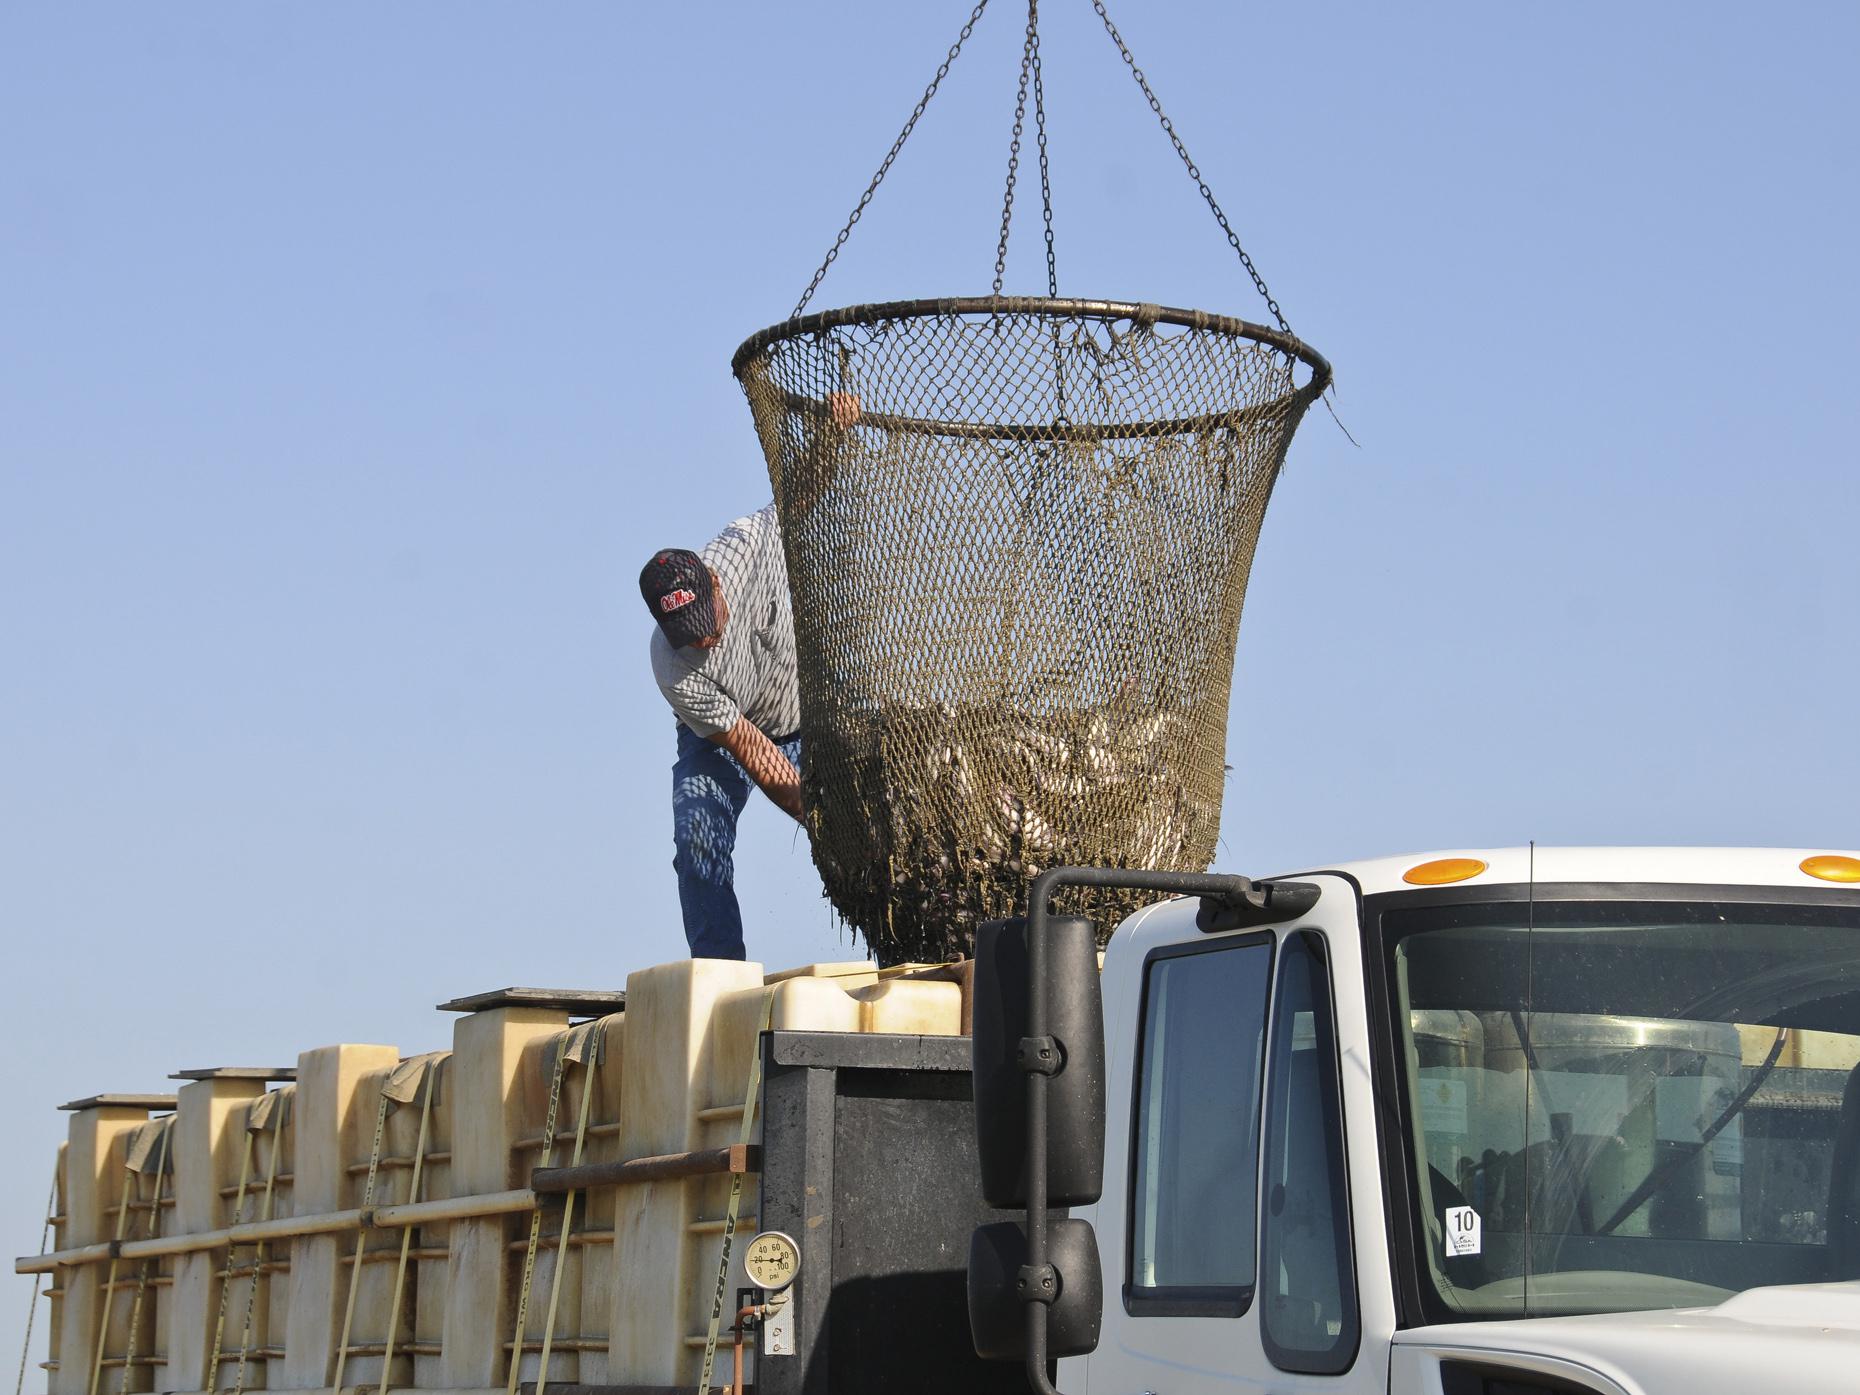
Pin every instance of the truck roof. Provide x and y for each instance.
(1782, 868)
(1778, 867)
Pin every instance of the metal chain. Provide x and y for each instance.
(1032, 61)
(147, 1270)
(858, 212)
(529, 1252)
(1046, 180)
(361, 1239)
(1020, 121)
(130, 1186)
(226, 1274)
(261, 1252)
(406, 1231)
(751, 1095)
(1194, 171)
(589, 1068)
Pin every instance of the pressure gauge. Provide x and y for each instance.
(772, 1261)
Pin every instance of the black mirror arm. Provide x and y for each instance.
(1039, 1055)
(1255, 904)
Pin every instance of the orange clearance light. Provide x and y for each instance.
(1443, 870)
(1832, 867)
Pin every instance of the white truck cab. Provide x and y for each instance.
(1504, 1122)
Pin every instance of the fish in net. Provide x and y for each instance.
(1018, 565)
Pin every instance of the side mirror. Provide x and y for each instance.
(1051, 1155)
(1039, 1109)
(1075, 1071)
(997, 1304)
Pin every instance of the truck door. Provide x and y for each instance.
(1241, 1226)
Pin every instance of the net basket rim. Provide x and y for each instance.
(1140, 313)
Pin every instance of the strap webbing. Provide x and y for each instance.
(262, 1250)
(148, 1265)
(51, 1208)
(406, 1231)
(361, 1241)
(226, 1275)
(750, 1095)
(588, 1067)
(529, 1253)
(109, 1283)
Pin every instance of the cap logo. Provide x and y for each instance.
(672, 600)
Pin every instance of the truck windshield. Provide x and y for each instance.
(1613, 1105)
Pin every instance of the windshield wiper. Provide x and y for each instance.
(1665, 1173)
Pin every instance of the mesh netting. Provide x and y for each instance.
(1018, 535)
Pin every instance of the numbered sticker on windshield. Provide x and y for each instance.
(1462, 1231)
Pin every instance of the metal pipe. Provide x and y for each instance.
(1044, 885)
(50, 1262)
(1086, 432)
(1041, 305)
(249, 1233)
(742, 1315)
(455, 1208)
(458, 1208)
(737, 1157)
(548, 1181)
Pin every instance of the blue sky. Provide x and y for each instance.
(352, 357)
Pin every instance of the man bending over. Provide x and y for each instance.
(723, 655)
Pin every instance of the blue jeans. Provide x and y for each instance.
(709, 790)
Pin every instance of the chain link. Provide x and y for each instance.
(361, 1239)
(858, 212)
(238, 1217)
(1029, 74)
(1194, 171)
(751, 1097)
(1020, 122)
(1031, 78)
(529, 1252)
(260, 1253)
(1046, 181)
(147, 1270)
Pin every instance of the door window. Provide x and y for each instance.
(1196, 1141)
(1308, 1315)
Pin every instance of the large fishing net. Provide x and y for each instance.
(1018, 534)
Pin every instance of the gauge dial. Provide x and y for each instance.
(772, 1260)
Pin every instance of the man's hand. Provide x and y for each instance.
(773, 772)
(844, 408)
